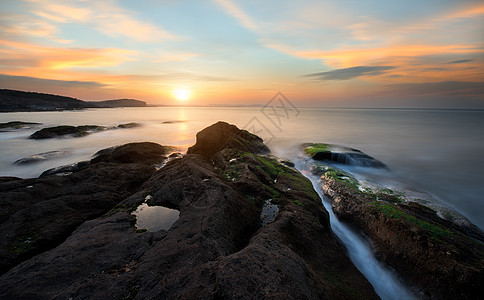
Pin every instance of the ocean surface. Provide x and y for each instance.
(439, 152)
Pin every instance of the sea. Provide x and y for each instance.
(437, 152)
(440, 152)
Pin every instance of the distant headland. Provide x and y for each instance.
(17, 101)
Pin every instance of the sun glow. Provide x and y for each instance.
(181, 94)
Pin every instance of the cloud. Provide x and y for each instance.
(460, 61)
(454, 88)
(237, 13)
(104, 16)
(9, 81)
(53, 58)
(350, 73)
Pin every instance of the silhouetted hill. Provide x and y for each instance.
(14, 101)
(120, 103)
(11, 100)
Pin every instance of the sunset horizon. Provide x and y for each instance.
(319, 54)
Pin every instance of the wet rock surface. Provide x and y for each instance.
(441, 258)
(65, 130)
(216, 249)
(40, 157)
(341, 154)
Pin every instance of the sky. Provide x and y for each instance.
(346, 53)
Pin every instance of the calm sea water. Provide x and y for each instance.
(438, 151)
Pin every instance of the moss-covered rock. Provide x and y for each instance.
(441, 258)
(340, 154)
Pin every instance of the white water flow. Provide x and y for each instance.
(386, 284)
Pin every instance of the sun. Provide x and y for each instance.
(181, 94)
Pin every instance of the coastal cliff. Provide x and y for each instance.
(250, 226)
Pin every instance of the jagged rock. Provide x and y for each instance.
(341, 154)
(223, 135)
(57, 131)
(216, 249)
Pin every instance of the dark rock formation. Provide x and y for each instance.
(142, 153)
(442, 259)
(66, 170)
(340, 154)
(39, 157)
(129, 125)
(223, 135)
(216, 249)
(58, 131)
(11, 100)
(16, 125)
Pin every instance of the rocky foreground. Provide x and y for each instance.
(72, 234)
(437, 252)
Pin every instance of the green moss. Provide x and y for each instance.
(436, 231)
(298, 203)
(141, 230)
(313, 148)
(23, 243)
(343, 177)
(301, 182)
(385, 194)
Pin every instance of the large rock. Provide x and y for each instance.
(142, 153)
(38, 214)
(218, 248)
(223, 135)
(340, 154)
(441, 258)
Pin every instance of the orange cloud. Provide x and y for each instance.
(43, 59)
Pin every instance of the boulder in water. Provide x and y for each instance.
(341, 155)
(63, 130)
(13, 125)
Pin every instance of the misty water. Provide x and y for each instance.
(438, 152)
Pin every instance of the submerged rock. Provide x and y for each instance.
(442, 259)
(39, 157)
(341, 154)
(17, 125)
(216, 249)
(129, 125)
(58, 131)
